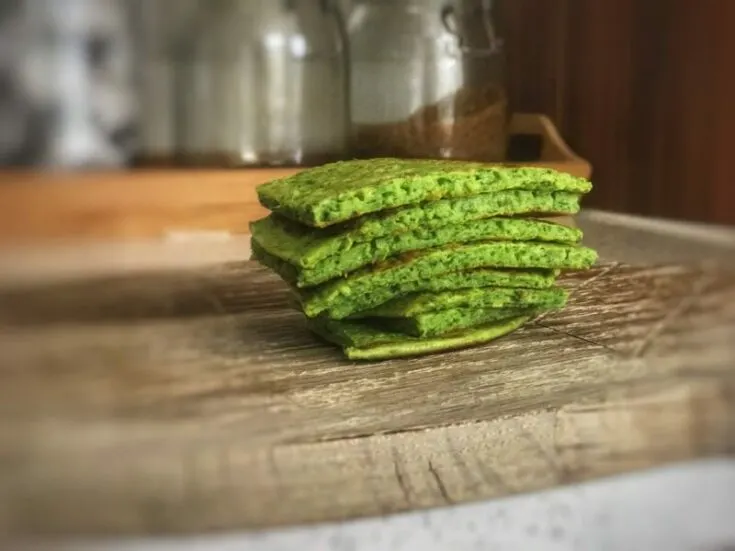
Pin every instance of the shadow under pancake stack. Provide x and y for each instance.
(392, 258)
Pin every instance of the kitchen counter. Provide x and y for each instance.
(682, 507)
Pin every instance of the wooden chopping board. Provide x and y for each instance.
(193, 400)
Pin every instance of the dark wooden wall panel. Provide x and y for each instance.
(644, 89)
(535, 45)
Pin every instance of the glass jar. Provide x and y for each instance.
(428, 80)
(160, 28)
(259, 83)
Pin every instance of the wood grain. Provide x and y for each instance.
(195, 400)
(535, 46)
(43, 208)
(643, 90)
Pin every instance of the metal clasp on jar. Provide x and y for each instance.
(449, 21)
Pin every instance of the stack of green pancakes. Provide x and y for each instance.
(391, 258)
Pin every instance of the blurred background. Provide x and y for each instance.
(642, 91)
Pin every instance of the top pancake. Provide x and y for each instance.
(337, 192)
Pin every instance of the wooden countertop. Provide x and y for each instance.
(185, 396)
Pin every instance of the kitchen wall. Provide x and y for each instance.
(645, 89)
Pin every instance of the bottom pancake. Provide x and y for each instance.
(361, 341)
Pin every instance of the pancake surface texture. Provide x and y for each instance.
(484, 297)
(449, 258)
(395, 276)
(441, 322)
(279, 238)
(305, 246)
(341, 191)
